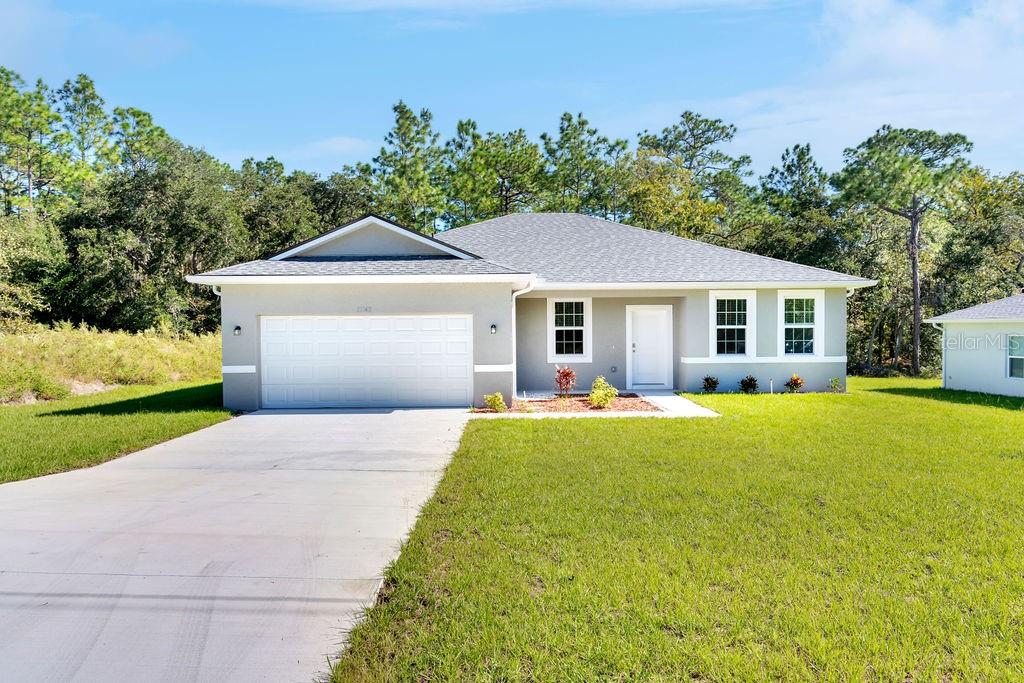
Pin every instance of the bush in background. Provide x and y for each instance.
(710, 384)
(495, 402)
(42, 362)
(748, 385)
(601, 393)
(565, 380)
(795, 383)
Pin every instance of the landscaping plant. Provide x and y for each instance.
(495, 402)
(710, 384)
(795, 383)
(748, 385)
(565, 380)
(835, 385)
(601, 393)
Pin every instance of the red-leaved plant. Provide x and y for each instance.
(565, 380)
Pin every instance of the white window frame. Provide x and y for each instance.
(819, 321)
(750, 296)
(588, 326)
(1010, 356)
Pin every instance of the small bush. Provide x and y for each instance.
(710, 384)
(795, 383)
(495, 402)
(601, 393)
(835, 385)
(748, 385)
(565, 380)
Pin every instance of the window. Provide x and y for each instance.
(1016, 347)
(799, 325)
(732, 326)
(800, 322)
(568, 330)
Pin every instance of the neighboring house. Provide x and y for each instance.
(372, 314)
(983, 347)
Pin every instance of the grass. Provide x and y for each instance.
(42, 361)
(87, 430)
(871, 536)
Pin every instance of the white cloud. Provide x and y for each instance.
(39, 37)
(927, 64)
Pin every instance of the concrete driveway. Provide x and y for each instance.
(243, 551)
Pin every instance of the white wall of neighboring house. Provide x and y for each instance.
(976, 357)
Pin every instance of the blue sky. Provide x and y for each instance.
(312, 81)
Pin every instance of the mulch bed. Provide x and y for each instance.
(578, 403)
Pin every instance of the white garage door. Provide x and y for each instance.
(366, 361)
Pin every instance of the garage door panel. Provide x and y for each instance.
(372, 361)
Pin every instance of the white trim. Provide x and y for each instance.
(588, 328)
(493, 368)
(819, 321)
(669, 382)
(750, 296)
(981, 321)
(1009, 357)
(512, 278)
(544, 285)
(238, 369)
(794, 359)
(359, 225)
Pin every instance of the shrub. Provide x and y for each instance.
(748, 385)
(710, 384)
(601, 393)
(795, 383)
(565, 380)
(495, 402)
(835, 385)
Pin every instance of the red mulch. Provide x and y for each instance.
(578, 403)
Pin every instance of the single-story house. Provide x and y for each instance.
(373, 314)
(983, 347)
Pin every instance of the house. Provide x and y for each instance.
(983, 347)
(372, 314)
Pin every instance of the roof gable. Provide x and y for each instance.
(372, 236)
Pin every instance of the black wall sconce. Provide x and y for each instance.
(237, 331)
(494, 329)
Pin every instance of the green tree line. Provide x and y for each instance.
(103, 213)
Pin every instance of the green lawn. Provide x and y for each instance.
(872, 536)
(77, 432)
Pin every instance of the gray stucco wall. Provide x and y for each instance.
(691, 341)
(373, 240)
(976, 358)
(243, 304)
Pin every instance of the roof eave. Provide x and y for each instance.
(546, 285)
(1001, 321)
(515, 279)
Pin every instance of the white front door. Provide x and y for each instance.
(649, 347)
(366, 361)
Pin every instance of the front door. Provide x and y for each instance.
(649, 347)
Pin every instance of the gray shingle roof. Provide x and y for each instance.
(1010, 308)
(404, 265)
(571, 247)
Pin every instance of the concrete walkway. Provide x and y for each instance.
(241, 552)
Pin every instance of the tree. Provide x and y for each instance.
(661, 195)
(518, 171)
(407, 172)
(135, 139)
(907, 173)
(338, 199)
(134, 237)
(694, 142)
(274, 208)
(580, 167)
(88, 129)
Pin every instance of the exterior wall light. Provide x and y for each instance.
(237, 331)
(494, 329)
